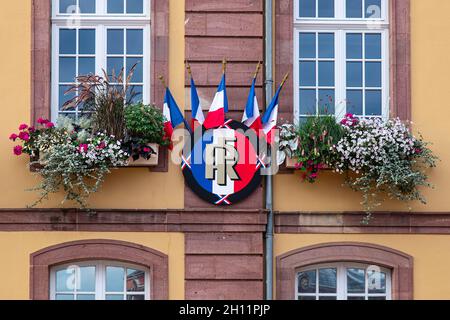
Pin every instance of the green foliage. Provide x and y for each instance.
(317, 138)
(146, 123)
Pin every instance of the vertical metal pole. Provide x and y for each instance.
(269, 190)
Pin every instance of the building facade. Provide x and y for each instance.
(151, 236)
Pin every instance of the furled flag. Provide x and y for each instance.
(219, 106)
(173, 116)
(270, 118)
(197, 113)
(252, 117)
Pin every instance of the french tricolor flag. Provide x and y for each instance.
(172, 114)
(219, 106)
(270, 118)
(252, 117)
(197, 113)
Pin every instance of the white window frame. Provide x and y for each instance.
(340, 26)
(100, 278)
(341, 278)
(100, 21)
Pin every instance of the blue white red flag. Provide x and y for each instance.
(197, 113)
(173, 115)
(270, 118)
(252, 117)
(219, 106)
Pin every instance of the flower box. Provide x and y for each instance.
(141, 162)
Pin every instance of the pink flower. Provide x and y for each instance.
(313, 175)
(32, 129)
(310, 162)
(50, 125)
(418, 150)
(349, 115)
(83, 148)
(147, 149)
(18, 150)
(23, 126)
(102, 145)
(13, 137)
(42, 121)
(24, 136)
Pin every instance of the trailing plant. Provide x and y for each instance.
(74, 163)
(144, 125)
(317, 139)
(104, 98)
(288, 144)
(385, 159)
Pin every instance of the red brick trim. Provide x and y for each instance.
(351, 223)
(133, 220)
(400, 56)
(41, 61)
(42, 260)
(400, 264)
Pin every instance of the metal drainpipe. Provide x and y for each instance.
(269, 190)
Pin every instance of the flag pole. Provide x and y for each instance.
(284, 79)
(161, 78)
(224, 65)
(188, 67)
(258, 67)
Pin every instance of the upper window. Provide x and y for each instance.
(341, 58)
(343, 281)
(99, 280)
(89, 36)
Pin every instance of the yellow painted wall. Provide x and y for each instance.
(430, 253)
(124, 188)
(16, 247)
(430, 114)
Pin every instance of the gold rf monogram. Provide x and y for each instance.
(220, 160)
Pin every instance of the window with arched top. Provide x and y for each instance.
(343, 281)
(99, 280)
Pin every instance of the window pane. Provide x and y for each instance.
(134, 94)
(135, 39)
(354, 74)
(307, 45)
(65, 280)
(115, 277)
(63, 98)
(87, 41)
(115, 6)
(67, 69)
(114, 297)
(326, 101)
(115, 66)
(327, 298)
(373, 46)
(67, 41)
(307, 102)
(138, 71)
(354, 8)
(307, 73)
(356, 298)
(373, 9)
(66, 6)
(87, 279)
(306, 298)
(86, 66)
(377, 282)
(373, 103)
(377, 298)
(326, 74)
(136, 297)
(354, 46)
(135, 6)
(326, 8)
(115, 41)
(135, 280)
(327, 280)
(355, 280)
(87, 6)
(355, 102)
(308, 8)
(326, 45)
(373, 74)
(307, 282)
(64, 297)
(86, 297)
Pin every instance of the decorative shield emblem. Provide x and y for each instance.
(223, 166)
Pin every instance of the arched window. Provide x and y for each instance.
(343, 281)
(99, 269)
(99, 280)
(345, 270)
